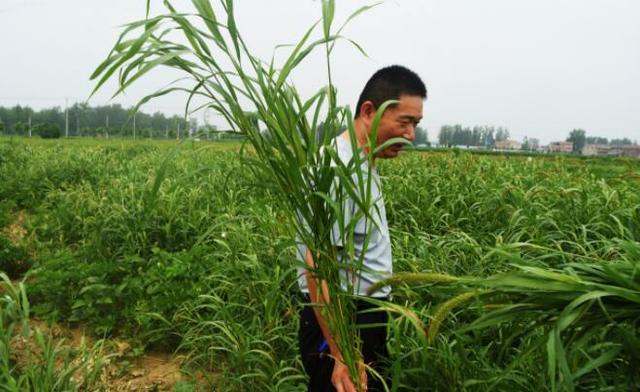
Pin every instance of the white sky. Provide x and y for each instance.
(539, 68)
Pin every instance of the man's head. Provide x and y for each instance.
(392, 83)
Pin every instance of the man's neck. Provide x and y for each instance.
(361, 134)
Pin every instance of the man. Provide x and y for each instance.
(321, 357)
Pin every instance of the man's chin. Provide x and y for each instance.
(391, 153)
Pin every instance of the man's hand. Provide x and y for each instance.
(341, 380)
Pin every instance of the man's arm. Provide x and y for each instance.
(340, 376)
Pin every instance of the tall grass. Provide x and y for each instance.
(249, 93)
(586, 313)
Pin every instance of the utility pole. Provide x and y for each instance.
(29, 126)
(134, 126)
(107, 129)
(178, 133)
(77, 126)
(66, 117)
(166, 131)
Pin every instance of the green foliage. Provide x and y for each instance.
(40, 363)
(14, 260)
(481, 136)
(48, 131)
(422, 137)
(578, 137)
(85, 120)
(211, 272)
(6, 209)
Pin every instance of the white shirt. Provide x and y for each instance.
(377, 262)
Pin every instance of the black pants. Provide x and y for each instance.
(315, 352)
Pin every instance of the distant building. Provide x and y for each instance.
(533, 144)
(631, 151)
(560, 147)
(596, 149)
(507, 145)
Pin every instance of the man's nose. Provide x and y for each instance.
(411, 133)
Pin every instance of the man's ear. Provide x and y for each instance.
(367, 112)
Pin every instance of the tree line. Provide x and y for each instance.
(579, 139)
(487, 136)
(85, 120)
(479, 136)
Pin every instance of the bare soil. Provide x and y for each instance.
(16, 231)
(152, 371)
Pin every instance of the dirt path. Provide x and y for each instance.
(15, 232)
(152, 371)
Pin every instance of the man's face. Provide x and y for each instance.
(399, 121)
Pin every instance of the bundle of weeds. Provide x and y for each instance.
(249, 93)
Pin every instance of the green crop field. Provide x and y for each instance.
(527, 268)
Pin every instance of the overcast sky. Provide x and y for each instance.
(539, 68)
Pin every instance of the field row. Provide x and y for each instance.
(180, 247)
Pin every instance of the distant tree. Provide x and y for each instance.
(481, 136)
(20, 128)
(86, 131)
(83, 118)
(530, 144)
(48, 131)
(444, 137)
(534, 143)
(193, 125)
(487, 137)
(422, 137)
(322, 128)
(502, 134)
(578, 137)
(461, 136)
(207, 131)
(596, 140)
(621, 142)
(476, 135)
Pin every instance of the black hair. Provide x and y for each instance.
(390, 83)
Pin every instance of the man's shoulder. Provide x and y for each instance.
(343, 148)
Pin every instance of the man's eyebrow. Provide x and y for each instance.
(408, 117)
